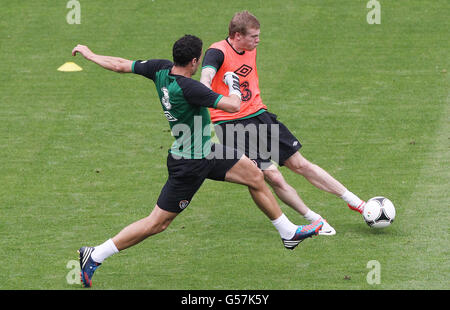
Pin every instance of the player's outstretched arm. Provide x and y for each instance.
(116, 64)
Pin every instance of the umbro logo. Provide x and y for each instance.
(170, 117)
(244, 70)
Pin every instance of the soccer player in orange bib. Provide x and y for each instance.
(255, 130)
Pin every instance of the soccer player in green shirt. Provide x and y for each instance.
(192, 157)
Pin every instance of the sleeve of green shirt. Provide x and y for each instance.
(148, 68)
(198, 94)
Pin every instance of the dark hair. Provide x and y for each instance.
(185, 49)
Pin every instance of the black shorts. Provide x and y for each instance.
(187, 175)
(262, 138)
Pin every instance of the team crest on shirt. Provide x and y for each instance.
(183, 204)
(165, 100)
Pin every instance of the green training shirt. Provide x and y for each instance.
(185, 104)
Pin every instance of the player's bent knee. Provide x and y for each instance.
(257, 178)
(153, 228)
(245, 172)
(274, 178)
(158, 221)
(253, 175)
(300, 165)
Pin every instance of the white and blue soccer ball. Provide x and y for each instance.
(379, 212)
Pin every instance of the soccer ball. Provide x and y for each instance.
(379, 212)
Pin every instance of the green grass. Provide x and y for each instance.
(83, 154)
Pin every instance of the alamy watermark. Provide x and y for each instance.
(261, 141)
(74, 15)
(374, 275)
(374, 15)
(73, 276)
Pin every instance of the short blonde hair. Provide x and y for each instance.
(241, 22)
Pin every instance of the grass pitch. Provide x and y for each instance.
(83, 154)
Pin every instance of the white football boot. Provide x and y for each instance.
(326, 229)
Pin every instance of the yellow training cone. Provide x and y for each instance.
(70, 67)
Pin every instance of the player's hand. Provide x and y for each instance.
(232, 80)
(83, 50)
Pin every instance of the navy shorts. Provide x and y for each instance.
(262, 138)
(187, 175)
